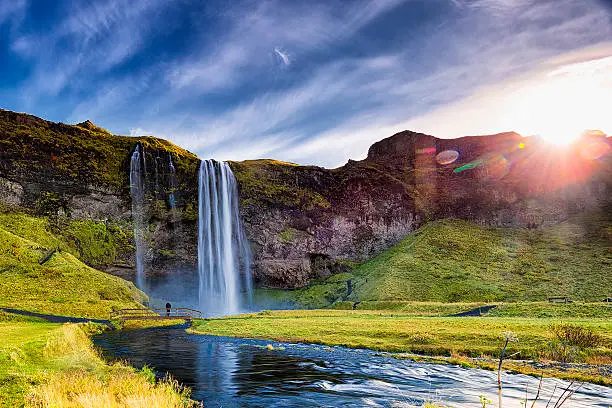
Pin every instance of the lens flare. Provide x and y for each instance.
(447, 157)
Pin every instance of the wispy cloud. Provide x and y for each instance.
(93, 39)
(283, 55)
(252, 33)
(310, 82)
(386, 96)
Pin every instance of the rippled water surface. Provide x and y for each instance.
(227, 372)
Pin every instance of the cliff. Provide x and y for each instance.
(306, 222)
(303, 222)
(79, 176)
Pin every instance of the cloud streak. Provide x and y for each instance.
(310, 82)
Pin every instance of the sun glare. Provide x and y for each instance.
(560, 105)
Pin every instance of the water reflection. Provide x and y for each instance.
(225, 372)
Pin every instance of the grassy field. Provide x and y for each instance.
(50, 365)
(397, 331)
(458, 261)
(62, 284)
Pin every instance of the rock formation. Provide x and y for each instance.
(303, 222)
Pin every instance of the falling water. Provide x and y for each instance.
(223, 253)
(137, 193)
(171, 199)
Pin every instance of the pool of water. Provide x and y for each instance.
(228, 372)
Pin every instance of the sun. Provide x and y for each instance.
(560, 105)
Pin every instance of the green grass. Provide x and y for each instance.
(458, 261)
(62, 285)
(45, 364)
(398, 331)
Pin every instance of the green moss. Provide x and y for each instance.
(287, 235)
(274, 182)
(458, 261)
(97, 243)
(452, 260)
(84, 153)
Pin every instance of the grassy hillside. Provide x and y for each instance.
(458, 261)
(85, 152)
(62, 284)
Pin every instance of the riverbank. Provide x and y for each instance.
(474, 341)
(53, 365)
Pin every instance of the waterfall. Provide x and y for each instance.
(223, 253)
(171, 199)
(137, 192)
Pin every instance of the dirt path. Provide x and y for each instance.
(55, 318)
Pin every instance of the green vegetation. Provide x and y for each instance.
(452, 260)
(274, 182)
(598, 310)
(37, 277)
(49, 365)
(96, 243)
(84, 152)
(404, 332)
(458, 261)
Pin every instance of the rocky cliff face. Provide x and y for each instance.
(82, 173)
(303, 222)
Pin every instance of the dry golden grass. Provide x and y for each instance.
(67, 371)
(124, 388)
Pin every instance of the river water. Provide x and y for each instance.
(228, 372)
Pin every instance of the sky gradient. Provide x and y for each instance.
(309, 82)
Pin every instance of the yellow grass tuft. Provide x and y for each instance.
(124, 389)
(72, 374)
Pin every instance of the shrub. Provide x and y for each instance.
(571, 342)
(577, 336)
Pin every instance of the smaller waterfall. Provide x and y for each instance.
(223, 253)
(171, 199)
(137, 192)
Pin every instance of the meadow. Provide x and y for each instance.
(474, 341)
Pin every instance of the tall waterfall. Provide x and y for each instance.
(172, 180)
(137, 192)
(223, 253)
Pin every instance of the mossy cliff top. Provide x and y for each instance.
(36, 150)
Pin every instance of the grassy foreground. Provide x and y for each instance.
(50, 365)
(404, 332)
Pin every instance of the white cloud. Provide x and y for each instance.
(345, 104)
(91, 40)
(283, 55)
(251, 34)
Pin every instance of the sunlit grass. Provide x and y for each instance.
(61, 285)
(398, 332)
(49, 365)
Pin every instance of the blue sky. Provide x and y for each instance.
(309, 82)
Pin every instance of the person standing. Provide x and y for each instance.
(168, 307)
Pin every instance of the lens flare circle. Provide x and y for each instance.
(447, 157)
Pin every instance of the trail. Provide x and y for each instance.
(55, 318)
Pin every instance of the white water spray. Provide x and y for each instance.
(223, 254)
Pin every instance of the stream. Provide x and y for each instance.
(232, 372)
